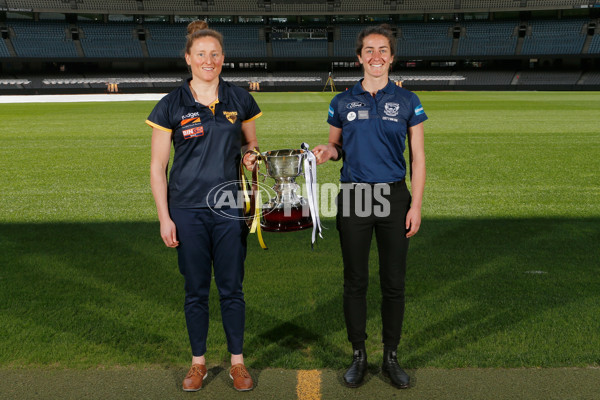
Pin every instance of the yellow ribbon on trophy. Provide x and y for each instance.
(250, 209)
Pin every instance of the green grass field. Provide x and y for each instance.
(504, 272)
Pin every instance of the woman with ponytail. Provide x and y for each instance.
(370, 125)
(210, 124)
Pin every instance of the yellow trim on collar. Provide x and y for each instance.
(213, 105)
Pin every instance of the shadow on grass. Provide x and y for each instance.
(94, 294)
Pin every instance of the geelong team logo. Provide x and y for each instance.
(391, 109)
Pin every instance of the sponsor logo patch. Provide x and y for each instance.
(363, 114)
(190, 115)
(355, 104)
(231, 116)
(193, 132)
(189, 121)
(351, 116)
(391, 109)
(390, 119)
(330, 111)
(419, 110)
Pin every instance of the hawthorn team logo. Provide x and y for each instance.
(231, 116)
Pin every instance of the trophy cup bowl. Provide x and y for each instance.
(286, 212)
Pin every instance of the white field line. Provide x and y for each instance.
(77, 98)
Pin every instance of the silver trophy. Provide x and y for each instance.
(287, 211)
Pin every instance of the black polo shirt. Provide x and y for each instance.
(207, 140)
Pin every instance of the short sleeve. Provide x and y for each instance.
(252, 109)
(333, 117)
(418, 113)
(159, 117)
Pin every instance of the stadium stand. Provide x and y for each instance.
(431, 39)
(300, 7)
(555, 37)
(161, 5)
(46, 39)
(427, 5)
(486, 78)
(308, 48)
(107, 5)
(165, 40)
(259, 7)
(4, 50)
(346, 46)
(595, 45)
(112, 40)
(441, 44)
(556, 3)
(535, 78)
(425, 78)
(488, 39)
(489, 4)
(591, 78)
(41, 4)
(242, 41)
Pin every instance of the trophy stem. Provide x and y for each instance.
(286, 211)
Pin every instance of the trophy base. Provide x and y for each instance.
(276, 220)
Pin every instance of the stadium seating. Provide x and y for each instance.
(437, 78)
(165, 40)
(488, 39)
(555, 37)
(234, 6)
(51, 39)
(242, 41)
(346, 45)
(591, 78)
(431, 39)
(107, 5)
(595, 45)
(486, 78)
(3, 50)
(161, 5)
(47, 4)
(111, 40)
(536, 78)
(41, 39)
(555, 3)
(299, 7)
(283, 8)
(308, 48)
(490, 4)
(425, 5)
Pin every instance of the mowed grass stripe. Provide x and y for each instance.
(309, 385)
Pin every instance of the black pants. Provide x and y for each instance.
(363, 208)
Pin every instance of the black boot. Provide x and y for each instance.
(355, 374)
(392, 370)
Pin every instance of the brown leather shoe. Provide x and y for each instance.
(242, 381)
(193, 379)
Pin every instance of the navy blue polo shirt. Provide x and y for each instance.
(207, 140)
(374, 131)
